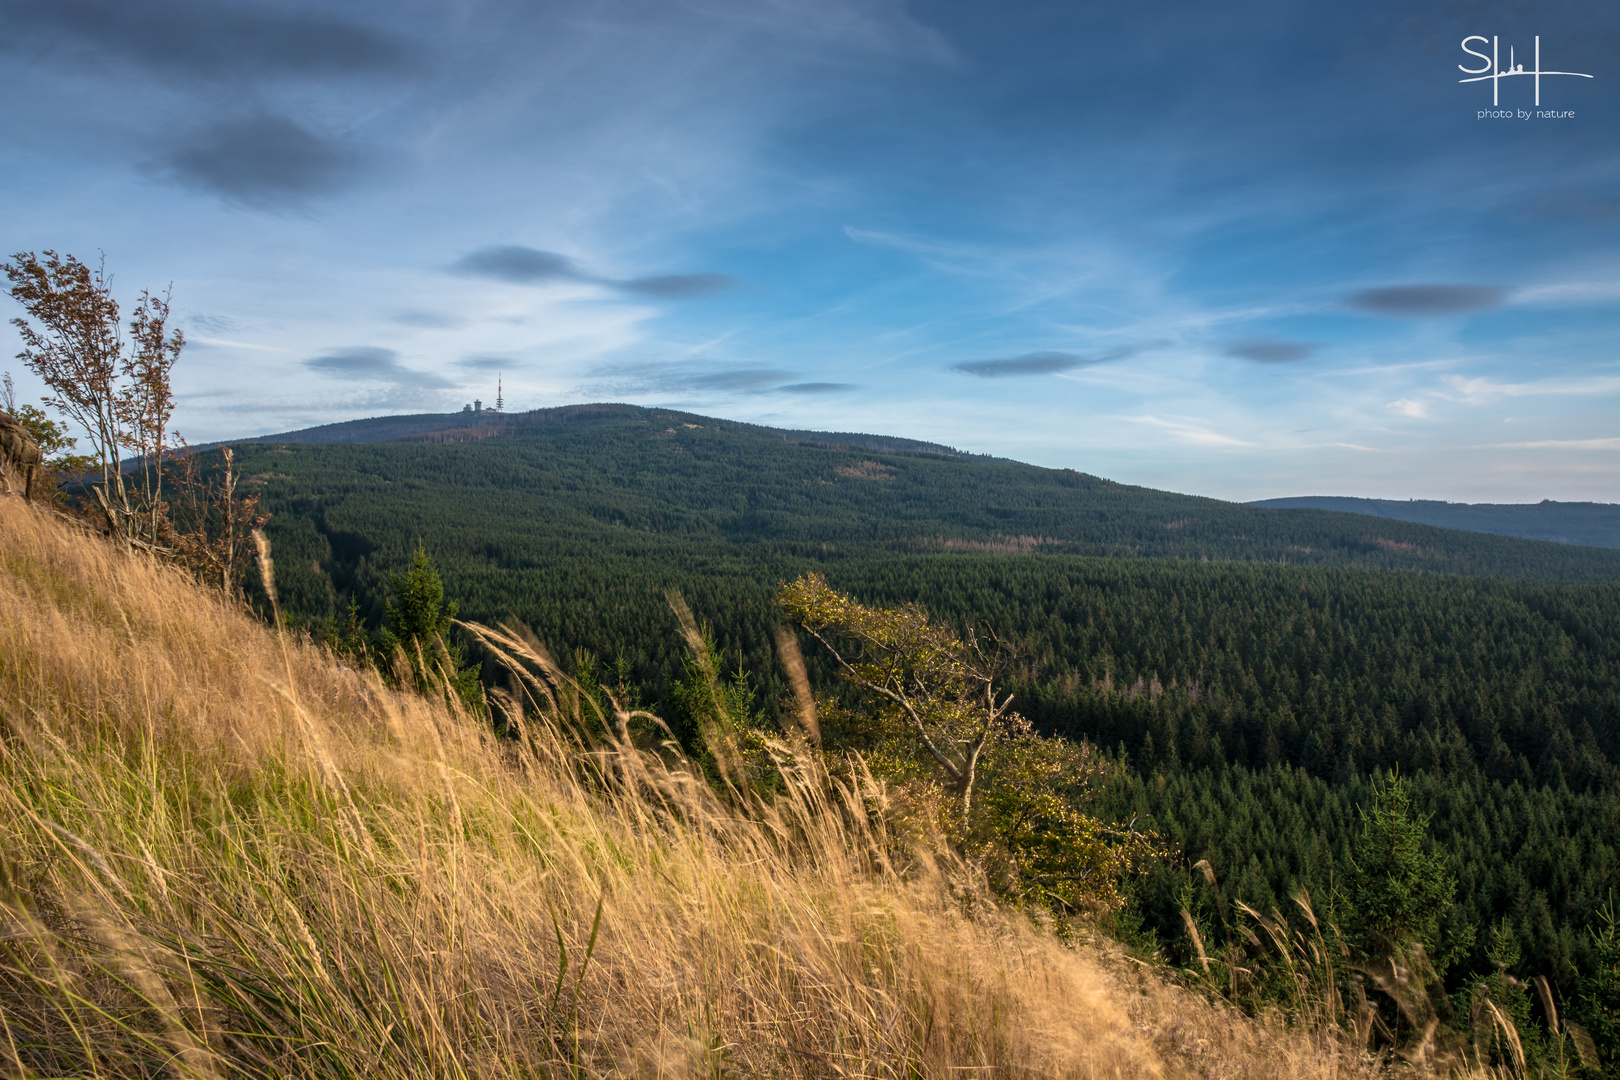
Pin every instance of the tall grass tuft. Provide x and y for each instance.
(224, 853)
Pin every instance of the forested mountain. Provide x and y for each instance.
(1250, 667)
(641, 479)
(1596, 524)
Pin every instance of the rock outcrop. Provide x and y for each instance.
(19, 454)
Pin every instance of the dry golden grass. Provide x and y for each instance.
(226, 854)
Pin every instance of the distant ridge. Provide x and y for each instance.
(1589, 523)
(473, 426)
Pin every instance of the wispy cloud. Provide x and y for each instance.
(1194, 433)
(899, 242)
(226, 343)
(1418, 410)
(1569, 292)
(1556, 444)
(1483, 389)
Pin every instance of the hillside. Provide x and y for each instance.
(1593, 524)
(227, 855)
(1252, 666)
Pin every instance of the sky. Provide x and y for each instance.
(1247, 249)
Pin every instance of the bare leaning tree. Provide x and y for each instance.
(116, 389)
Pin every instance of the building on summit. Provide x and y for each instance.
(477, 405)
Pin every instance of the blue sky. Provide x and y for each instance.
(1237, 249)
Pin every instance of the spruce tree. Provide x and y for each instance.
(1398, 889)
(418, 621)
(1598, 1004)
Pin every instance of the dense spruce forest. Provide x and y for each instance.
(1594, 524)
(1250, 668)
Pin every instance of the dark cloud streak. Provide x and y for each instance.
(747, 380)
(371, 363)
(213, 324)
(817, 388)
(429, 320)
(676, 286)
(213, 41)
(1271, 350)
(519, 265)
(1425, 301)
(1035, 363)
(655, 378)
(263, 161)
(488, 363)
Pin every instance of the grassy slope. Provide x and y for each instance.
(224, 853)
